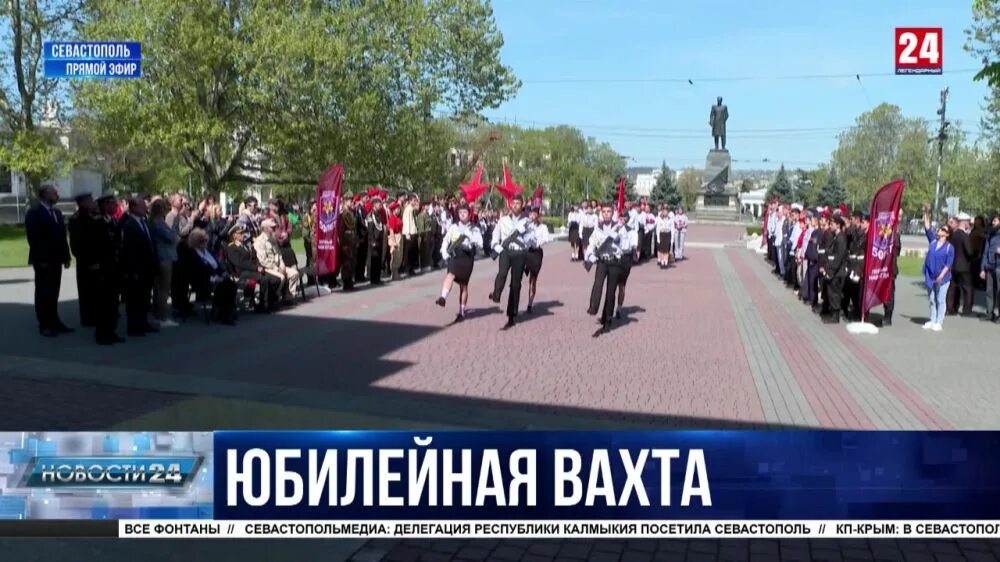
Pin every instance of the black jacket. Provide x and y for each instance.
(963, 251)
(46, 237)
(836, 258)
(138, 255)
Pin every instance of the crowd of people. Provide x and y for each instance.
(820, 254)
(162, 256)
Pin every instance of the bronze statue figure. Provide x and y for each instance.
(717, 120)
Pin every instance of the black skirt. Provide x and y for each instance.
(533, 261)
(574, 233)
(663, 246)
(461, 267)
(625, 263)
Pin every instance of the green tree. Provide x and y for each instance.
(832, 192)
(781, 188)
(983, 42)
(28, 144)
(273, 92)
(689, 184)
(867, 151)
(665, 191)
(746, 185)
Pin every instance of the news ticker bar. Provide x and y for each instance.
(207, 529)
(544, 529)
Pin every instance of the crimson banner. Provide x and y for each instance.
(883, 227)
(621, 195)
(327, 218)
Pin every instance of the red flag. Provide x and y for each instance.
(328, 191)
(883, 230)
(508, 188)
(536, 199)
(474, 189)
(621, 195)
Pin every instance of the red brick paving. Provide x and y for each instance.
(830, 401)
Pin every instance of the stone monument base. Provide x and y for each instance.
(717, 201)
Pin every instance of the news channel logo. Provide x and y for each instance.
(106, 475)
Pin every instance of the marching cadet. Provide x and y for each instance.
(857, 240)
(83, 229)
(347, 228)
(604, 249)
(105, 252)
(536, 237)
(662, 231)
(508, 245)
(588, 221)
(459, 248)
(628, 243)
(376, 240)
(835, 270)
(573, 221)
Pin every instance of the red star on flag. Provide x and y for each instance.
(508, 188)
(474, 189)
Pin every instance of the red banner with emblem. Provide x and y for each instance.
(883, 235)
(327, 218)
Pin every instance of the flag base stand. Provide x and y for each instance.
(862, 328)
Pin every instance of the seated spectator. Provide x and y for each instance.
(269, 254)
(210, 280)
(244, 266)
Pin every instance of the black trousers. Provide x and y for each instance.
(835, 291)
(890, 304)
(606, 278)
(960, 289)
(584, 241)
(106, 306)
(426, 249)
(852, 299)
(375, 266)
(811, 290)
(307, 244)
(647, 245)
(992, 291)
(511, 263)
(640, 251)
(361, 260)
(411, 254)
(138, 295)
(87, 288)
(48, 280)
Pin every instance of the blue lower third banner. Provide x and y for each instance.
(86, 68)
(670, 484)
(669, 475)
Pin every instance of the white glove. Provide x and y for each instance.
(498, 248)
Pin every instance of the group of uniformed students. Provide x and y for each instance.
(615, 241)
(821, 255)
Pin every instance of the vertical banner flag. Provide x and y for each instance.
(621, 195)
(877, 285)
(327, 218)
(536, 199)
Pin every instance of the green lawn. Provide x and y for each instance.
(911, 266)
(13, 246)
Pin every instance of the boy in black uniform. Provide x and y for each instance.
(857, 244)
(835, 270)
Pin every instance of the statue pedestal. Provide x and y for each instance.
(717, 201)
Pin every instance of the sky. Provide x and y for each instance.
(566, 51)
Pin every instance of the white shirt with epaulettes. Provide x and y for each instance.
(507, 226)
(607, 241)
(473, 238)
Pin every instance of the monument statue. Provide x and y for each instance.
(717, 119)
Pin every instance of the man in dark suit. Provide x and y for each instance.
(48, 254)
(138, 265)
(82, 230)
(108, 291)
(961, 277)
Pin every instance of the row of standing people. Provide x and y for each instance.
(660, 230)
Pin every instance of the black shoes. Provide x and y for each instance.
(495, 298)
(440, 301)
(509, 324)
(529, 309)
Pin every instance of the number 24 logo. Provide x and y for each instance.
(928, 41)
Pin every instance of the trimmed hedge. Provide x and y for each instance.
(754, 229)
